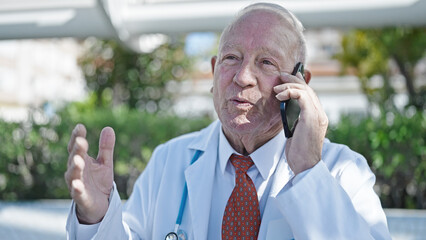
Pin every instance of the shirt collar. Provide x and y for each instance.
(265, 158)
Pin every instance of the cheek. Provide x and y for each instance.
(223, 78)
(267, 88)
(226, 73)
(271, 104)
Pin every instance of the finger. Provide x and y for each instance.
(106, 146)
(289, 93)
(302, 96)
(78, 131)
(77, 187)
(80, 147)
(78, 192)
(287, 148)
(323, 119)
(283, 87)
(295, 91)
(309, 104)
(288, 78)
(75, 171)
(300, 76)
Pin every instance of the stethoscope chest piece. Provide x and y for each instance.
(180, 235)
(171, 236)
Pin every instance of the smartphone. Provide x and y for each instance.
(290, 109)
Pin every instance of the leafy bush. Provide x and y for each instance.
(394, 146)
(33, 154)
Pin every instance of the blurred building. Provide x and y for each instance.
(44, 72)
(38, 73)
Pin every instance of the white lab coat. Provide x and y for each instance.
(333, 200)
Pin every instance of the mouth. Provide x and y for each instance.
(241, 103)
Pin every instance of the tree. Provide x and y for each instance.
(371, 52)
(127, 91)
(119, 76)
(394, 141)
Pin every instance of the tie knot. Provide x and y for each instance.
(241, 163)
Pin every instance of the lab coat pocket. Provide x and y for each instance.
(279, 229)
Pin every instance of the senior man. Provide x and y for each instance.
(239, 178)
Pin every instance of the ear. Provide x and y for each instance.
(308, 76)
(213, 62)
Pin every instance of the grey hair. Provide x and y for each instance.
(285, 15)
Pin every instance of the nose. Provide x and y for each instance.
(246, 75)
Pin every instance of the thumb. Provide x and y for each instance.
(106, 146)
(287, 147)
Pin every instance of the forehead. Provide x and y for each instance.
(260, 29)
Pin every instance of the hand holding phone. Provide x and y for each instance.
(290, 119)
(304, 149)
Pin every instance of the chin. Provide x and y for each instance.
(240, 124)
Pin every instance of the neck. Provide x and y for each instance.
(246, 144)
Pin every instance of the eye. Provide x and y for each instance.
(267, 62)
(230, 57)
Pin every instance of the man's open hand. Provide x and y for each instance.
(90, 180)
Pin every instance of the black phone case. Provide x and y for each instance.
(284, 104)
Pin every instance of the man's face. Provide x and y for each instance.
(251, 57)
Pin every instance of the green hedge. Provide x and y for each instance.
(394, 146)
(33, 155)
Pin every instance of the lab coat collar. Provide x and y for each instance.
(225, 152)
(204, 138)
(199, 178)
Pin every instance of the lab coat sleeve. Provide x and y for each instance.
(139, 209)
(322, 206)
(111, 226)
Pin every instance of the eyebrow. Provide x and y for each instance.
(228, 46)
(272, 53)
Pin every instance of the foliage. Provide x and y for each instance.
(393, 141)
(118, 76)
(370, 52)
(394, 145)
(131, 92)
(33, 154)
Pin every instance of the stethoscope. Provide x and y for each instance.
(179, 234)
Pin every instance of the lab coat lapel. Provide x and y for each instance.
(199, 177)
(274, 225)
(282, 175)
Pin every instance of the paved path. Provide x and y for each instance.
(407, 224)
(38, 220)
(45, 220)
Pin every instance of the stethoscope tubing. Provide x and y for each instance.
(184, 197)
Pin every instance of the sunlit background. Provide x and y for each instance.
(143, 67)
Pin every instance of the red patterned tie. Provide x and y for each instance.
(241, 219)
